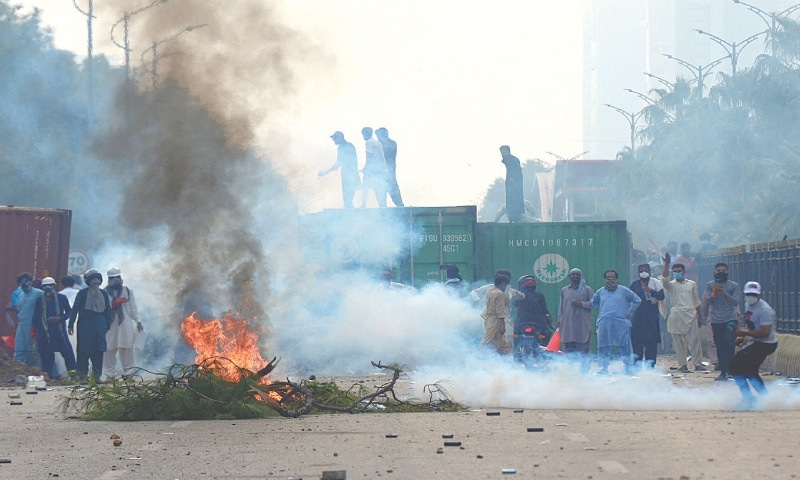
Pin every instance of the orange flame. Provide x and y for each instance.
(230, 337)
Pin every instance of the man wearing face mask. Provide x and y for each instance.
(616, 304)
(494, 313)
(645, 330)
(24, 339)
(532, 310)
(92, 311)
(124, 325)
(758, 341)
(49, 322)
(721, 305)
(684, 316)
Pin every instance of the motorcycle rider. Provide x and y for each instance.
(532, 310)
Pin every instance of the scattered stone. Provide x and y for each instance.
(452, 444)
(117, 442)
(447, 435)
(535, 429)
(492, 414)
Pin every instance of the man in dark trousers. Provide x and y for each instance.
(390, 154)
(532, 310)
(758, 340)
(347, 161)
(515, 197)
(92, 311)
(50, 330)
(645, 329)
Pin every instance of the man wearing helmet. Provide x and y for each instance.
(92, 311)
(532, 310)
(124, 326)
(49, 328)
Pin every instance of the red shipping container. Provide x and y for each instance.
(34, 240)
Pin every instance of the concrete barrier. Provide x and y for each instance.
(786, 359)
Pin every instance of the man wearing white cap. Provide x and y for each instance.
(758, 341)
(124, 325)
(347, 162)
(49, 324)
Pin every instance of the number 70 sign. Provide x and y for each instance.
(79, 262)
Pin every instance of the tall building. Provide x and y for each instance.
(623, 39)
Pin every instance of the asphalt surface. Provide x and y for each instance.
(40, 441)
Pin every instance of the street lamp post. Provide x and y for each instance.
(125, 46)
(567, 159)
(731, 47)
(89, 69)
(699, 71)
(154, 48)
(662, 81)
(772, 24)
(644, 97)
(633, 119)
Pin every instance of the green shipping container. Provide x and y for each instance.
(549, 250)
(413, 241)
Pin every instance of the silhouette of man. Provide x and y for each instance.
(348, 162)
(515, 198)
(390, 154)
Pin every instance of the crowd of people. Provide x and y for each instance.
(106, 320)
(379, 171)
(628, 320)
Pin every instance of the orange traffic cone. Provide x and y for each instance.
(554, 345)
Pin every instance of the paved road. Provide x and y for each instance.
(41, 442)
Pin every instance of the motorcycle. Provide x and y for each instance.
(528, 348)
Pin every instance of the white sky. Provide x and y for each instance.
(451, 80)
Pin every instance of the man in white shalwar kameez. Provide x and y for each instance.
(124, 325)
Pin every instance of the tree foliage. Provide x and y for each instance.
(725, 162)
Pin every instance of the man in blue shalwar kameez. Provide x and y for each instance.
(616, 304)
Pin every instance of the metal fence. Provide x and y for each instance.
(775, 265)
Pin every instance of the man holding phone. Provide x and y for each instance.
(720, 304)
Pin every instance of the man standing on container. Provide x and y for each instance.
(684, 316)
(25, 338)
(616, 304)
(374, 169)
(575, 317)
(758, 341)
(494, 322)
(515, 196)
(720, 304)
(645, 329)
(92, 311)
(347, 161)
(124, 325)
(390, 154)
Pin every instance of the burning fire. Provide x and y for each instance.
(230, 337)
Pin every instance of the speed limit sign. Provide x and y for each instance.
(78, 262)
